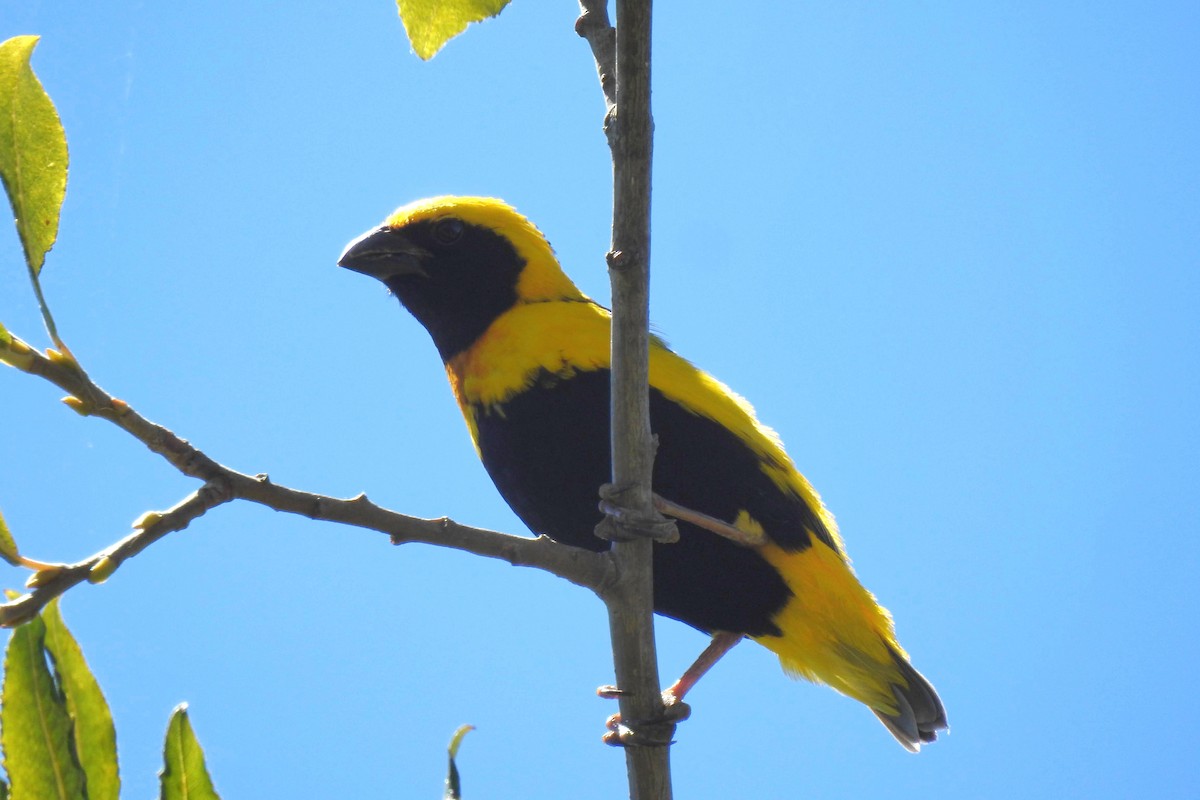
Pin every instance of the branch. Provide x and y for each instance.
(581, 567)
(222, 484)
(53, 580)
(88, 399)
(630, 604)
(594, 26)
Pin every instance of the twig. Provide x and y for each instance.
(582, 567)
(594, 26)
(88, 399)
(52, 581)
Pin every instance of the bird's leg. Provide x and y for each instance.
(721, 644)
(710, 524)
(674, 709)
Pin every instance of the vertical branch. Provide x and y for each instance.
(629, 260)
(594, 26)
(630, 601)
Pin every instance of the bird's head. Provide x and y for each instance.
(457, 263)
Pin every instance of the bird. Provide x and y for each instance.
(527, 355)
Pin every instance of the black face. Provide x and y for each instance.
(454, 276)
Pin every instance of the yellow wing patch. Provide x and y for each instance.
(562, 338)
(680, 380)
(555, 329)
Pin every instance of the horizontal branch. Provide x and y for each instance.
(581, 567)
(222, 484)
(88, 399)
(53, 580)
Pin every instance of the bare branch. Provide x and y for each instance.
(581, 567)
(88, 399)
(222, 484)
(52, 581)
(594, 26)
(630, 601)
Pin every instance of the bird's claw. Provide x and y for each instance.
(654, 732)
(624, 524)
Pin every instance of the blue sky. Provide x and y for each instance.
(948, 250)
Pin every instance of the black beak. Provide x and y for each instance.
(384, 253)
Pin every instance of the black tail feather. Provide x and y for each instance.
(920, 713)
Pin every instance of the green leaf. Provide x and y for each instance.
(38, 754)
(8, 546)
(432, 23)
(95, 736)
(453, 783)
(184, 775)
(33, 151)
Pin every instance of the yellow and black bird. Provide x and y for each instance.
(527, 355)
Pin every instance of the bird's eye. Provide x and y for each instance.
(448, 230)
